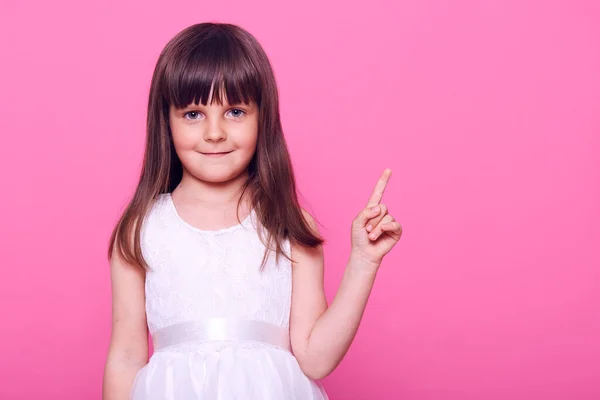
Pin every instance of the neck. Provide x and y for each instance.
(213, 195)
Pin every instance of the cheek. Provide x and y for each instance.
(248, 143)
(184, 140)
(247, 138)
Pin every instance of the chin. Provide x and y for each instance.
(218, 177)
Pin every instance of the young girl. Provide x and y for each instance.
(214, 254)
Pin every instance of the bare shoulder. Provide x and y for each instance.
(312, 223)
(306, 253)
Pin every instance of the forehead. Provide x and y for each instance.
(216, 100)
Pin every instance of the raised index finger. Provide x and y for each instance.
(377, 194)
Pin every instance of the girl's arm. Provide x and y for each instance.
(320, 335)
(128, 349)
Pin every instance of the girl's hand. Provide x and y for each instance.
(374, 230)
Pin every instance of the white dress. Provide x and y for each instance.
(220, 325)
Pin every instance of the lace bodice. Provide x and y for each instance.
(196, 274)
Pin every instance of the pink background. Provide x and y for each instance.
(487, 112)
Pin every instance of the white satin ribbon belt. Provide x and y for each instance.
(220, 329)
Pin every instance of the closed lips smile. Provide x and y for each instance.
(217, 154)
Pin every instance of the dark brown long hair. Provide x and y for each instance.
(226, 58)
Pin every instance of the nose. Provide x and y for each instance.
(214, 132)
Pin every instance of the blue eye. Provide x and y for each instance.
(190, 113)
(239, 113)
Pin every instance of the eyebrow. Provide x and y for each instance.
(242, 104)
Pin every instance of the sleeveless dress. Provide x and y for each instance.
(219, 325)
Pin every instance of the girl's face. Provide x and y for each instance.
(215, 143)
